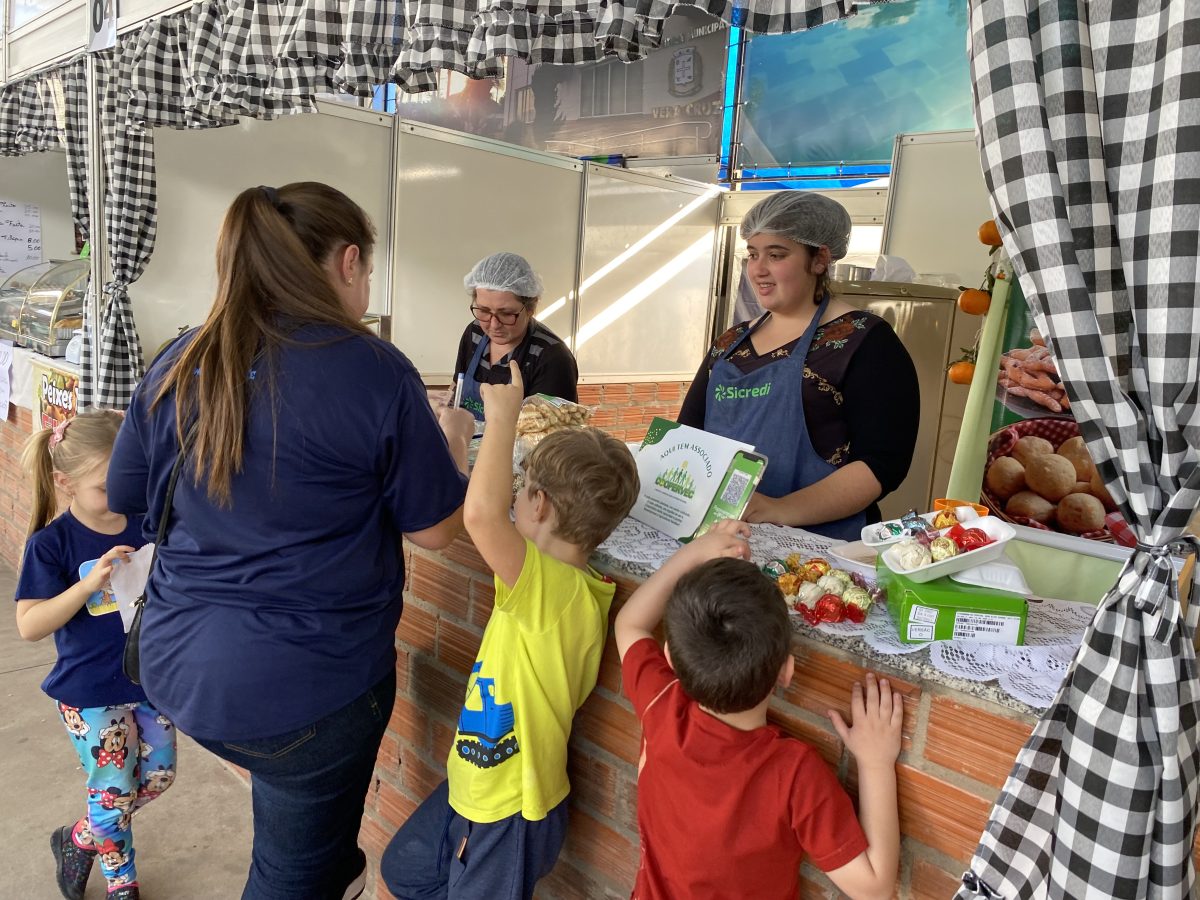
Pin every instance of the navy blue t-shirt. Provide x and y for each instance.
(268, 615)
(90, 646)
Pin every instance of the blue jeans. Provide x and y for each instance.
(308, 788)
(437, 854)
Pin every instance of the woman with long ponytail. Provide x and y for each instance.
(310, 451)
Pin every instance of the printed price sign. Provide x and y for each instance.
(102, 24)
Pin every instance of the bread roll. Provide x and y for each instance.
(1028, 447)
(1028, 505)
(1078, 513)
(1050, 475)
(1074, 450)
(1005, 476)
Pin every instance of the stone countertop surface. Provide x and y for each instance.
(914, 666)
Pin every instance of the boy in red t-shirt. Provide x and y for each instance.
(728, 806)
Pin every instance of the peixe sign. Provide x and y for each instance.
(55, 394)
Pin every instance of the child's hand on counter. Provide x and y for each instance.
(502, 402)
(876, 715)
(729, 537)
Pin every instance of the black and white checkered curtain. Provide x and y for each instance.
(409, 41)
(48, 111)
(1087, 116)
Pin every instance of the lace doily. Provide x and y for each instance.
(1031, 674)
(635, 542)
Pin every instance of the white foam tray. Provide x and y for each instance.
(1000, 533)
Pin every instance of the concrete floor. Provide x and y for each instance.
(193, 843)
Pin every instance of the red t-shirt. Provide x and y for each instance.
(726, 813)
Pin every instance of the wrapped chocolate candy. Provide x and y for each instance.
(808, 594)
(815, 569)
(911, 554)
(915, 526)
(942, 548)
(945, 519)
(830, 608)
(831, 584)
(789, 584)
(886, 531)
(793, 562)
(808, 614)
(842, 574)
(857, 597)
(775, 568)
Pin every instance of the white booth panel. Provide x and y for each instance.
(56, 34)
(41, 179)
(201, 171)
(866, 205)
(647, 270)
(458, 200)
(937, 202)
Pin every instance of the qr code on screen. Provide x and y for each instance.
(734, 488)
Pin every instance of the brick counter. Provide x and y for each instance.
(957, 749)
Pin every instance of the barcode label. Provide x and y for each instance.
(734, 488)
(987, 628)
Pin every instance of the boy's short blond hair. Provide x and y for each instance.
(589, 478)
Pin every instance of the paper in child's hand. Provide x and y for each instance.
(102, 602)
(128, 580)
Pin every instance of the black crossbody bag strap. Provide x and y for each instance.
(132, 660)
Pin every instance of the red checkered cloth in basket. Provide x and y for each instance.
(1056, 431)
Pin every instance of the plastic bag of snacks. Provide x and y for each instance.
(542, 415)
(820, 593)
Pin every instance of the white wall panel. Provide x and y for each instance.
(56, 34)
(647, 269)
(936, 203)
(199, 174)
(41, 178)
(460, 199)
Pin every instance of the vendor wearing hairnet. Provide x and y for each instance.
(826, 392)
(504, 296)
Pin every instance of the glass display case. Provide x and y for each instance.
(42, 306)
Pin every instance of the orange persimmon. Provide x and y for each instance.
(974, 302)
(961, 372)
(989, 234)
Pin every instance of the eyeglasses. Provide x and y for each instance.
(483, 314)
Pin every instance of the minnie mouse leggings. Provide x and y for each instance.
(128, 752)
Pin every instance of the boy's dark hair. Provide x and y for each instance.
(590, 479)
(728, 633)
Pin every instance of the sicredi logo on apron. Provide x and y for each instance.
(730, 392)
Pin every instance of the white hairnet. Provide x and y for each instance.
(803, 217)
(504, 272)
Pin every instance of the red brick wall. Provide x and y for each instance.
(625, 410)
(956, 750)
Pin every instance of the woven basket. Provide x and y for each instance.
(1056, 431)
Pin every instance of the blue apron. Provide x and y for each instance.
(472, 400)
(766, 408)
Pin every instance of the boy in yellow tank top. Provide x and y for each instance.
(496, 825)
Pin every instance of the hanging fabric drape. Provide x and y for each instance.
(1086, 114)
(409, 41)
(48, 111)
